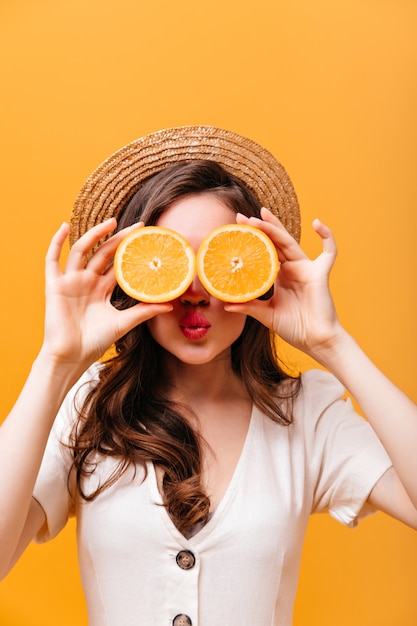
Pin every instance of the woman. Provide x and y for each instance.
(191, 460)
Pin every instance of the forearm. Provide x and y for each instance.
(23, 437)
(391, 413)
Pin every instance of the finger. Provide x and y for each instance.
(287, 247)
(103, 257)
(270, 217)
(266, 216)
(328, 240)
(81, 250)
(258, 309)
(53, 254)
(328, 256)
(141, 312)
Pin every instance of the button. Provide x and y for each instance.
(185, 560)
(181, 620)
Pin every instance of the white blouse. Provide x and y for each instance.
(241, 568)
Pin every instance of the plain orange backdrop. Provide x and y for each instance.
(330, 88)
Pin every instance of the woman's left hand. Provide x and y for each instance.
(301, 310)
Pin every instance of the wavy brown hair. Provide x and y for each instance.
(127, 414)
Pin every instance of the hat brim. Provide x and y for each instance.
(108, 189)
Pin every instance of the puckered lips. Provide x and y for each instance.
(194, 326)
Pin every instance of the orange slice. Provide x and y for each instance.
(154, 264)
(237, 263)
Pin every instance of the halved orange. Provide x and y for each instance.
(237, 263)
(154, 264)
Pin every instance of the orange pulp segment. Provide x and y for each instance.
(237, 263)
(154, 264)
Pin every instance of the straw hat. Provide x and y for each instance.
(108, 189)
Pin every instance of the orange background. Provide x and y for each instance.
(329, 87)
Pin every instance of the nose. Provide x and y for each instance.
(195, 295)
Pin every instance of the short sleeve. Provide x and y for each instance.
(345, 455)
(52, 488)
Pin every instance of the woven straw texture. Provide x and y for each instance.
(116, 180)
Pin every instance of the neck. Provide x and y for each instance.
(196, 384)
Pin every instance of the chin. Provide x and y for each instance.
(199, 357)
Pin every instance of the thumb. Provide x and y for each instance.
(141, 312)
(254, 308)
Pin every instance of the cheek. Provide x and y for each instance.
(162, 326)
(233, 325)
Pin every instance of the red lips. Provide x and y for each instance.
(194, 326)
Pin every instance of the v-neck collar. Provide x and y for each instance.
(217, 515)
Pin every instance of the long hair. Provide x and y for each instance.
(127, 414)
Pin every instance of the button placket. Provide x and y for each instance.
(185, 559)
(184, 586)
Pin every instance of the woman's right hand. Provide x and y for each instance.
(80, 321)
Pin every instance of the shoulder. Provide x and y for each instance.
(320, 388)
(302, 397)
(322, 404)
(75, 398)
(84, 384)
(310, 394)
(324, 412)
(90, 378)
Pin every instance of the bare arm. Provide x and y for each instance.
(35, 519)
(23, 438)
(80, 325)
(392, 415)
(302, 312)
